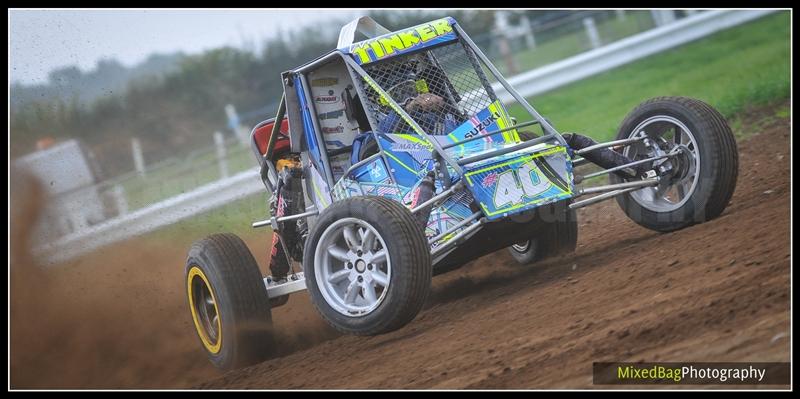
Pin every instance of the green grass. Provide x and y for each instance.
(185, 175)
(548, 52)
(732, 70)
(235, 217)
(782, 112)
(739, 67)
(745, 124)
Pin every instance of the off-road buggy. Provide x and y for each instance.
(394, 159)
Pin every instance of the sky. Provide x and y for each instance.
(42, 40)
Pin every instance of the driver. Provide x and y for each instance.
(433, 114)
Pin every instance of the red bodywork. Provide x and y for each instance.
(263, 132)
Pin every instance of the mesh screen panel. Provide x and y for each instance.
(439, 88)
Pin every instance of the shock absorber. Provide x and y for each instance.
(424, 192)
(289, 200)
(605, 157)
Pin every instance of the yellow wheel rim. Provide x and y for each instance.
(201, 294)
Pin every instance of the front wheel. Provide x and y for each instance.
(698, 177)
(367, 265)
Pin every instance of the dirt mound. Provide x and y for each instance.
(719, 291)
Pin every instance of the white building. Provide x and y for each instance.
(73, 201)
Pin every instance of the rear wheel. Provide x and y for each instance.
(698, 180)
(367, 265)
(228, 302)
(557, 234)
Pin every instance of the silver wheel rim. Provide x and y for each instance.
(670, 196)
(352, 267)
(522, 247)
(206, 308)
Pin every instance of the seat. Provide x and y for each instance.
(260, 139)
(363, 146)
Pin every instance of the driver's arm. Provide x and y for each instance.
(425, 102)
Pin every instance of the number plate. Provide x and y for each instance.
(514, 185)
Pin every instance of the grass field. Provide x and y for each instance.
(743, 66)
(732, 70)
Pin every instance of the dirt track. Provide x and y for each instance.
(712, 292)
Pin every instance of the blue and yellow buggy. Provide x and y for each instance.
(394, 159)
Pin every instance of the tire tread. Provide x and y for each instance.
(236, 280)
(724, 164)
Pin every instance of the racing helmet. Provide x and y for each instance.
(404, 91)
(402, 83)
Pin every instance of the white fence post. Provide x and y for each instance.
(656, 17)
(233, 117)
(668, 16)
(118, 194)
(504, 45)
(138, 158)
(591, 31)
(235, 124)
(530, 41)
(663, 17)
(219, 142)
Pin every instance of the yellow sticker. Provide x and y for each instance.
(422, 86)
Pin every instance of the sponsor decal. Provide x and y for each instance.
(388, 190)
(408, 147)
(482, 125)
(326, 99)
(337, 129)
(489, 180)
(375, 171)
(383, 46)
(415, 197)
(324, 82)
(332, 114)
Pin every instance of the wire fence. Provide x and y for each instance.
(79, 209)
(529, 45)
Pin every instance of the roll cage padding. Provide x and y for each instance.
(293, 113)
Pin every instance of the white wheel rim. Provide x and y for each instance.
(352, 267)
(674, 196)
(522, 247)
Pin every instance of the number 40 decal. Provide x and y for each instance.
(512, 185)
